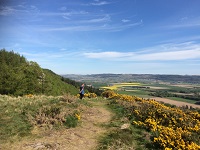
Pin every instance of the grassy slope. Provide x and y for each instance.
(20, 117)
(130, 138)
(55, 86)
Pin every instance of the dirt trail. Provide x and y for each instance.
(83, 137)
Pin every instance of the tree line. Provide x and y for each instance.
(18, 77)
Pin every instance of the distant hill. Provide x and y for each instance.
(191, 79)
(19, 76)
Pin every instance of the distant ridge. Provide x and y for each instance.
(192, 79)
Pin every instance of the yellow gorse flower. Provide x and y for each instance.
(175, 127)
(78, 116)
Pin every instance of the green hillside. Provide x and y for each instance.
(19, 76)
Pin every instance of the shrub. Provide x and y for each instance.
(109, 94)
(71, 121)
(68, 98)
(172, 128)
(18, 116)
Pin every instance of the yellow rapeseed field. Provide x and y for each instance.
(115, 86)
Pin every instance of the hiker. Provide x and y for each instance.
(81, 91)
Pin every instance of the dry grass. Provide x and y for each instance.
(119, 145)
(68, 98)
(46, 136)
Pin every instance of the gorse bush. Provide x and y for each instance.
(72, 120)
(171, 128)
(109, 94)
(68, 98)
(88, 95)
(18, 116)
(122, 135)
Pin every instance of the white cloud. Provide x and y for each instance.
(108, 55)
(176, 55)
(186, 25)
(92, 27)
(170, 53)
(69, 14)
(184, 19)
(106, 18)
(5, 11)
(125, 20)
(99, 3)
(63, 8)
(185, 22)
(63, 49)
(8, 10)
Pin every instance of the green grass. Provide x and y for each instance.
(18, 116)
(144, 93)
(182, 100)
(139, 93)
(71, 121)
(176, 88)
(14, 124)
(117, 138)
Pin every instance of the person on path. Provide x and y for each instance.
(81, 91)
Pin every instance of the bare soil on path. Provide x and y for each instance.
(83, 137)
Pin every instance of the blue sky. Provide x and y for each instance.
(104, 36)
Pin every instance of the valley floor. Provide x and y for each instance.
(174, 102)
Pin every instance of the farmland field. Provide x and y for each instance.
(175, 102)
(173, 87)
(115, 86)
(139, 93)
(168, 93)
(181, 100)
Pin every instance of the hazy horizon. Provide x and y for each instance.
(133, 74)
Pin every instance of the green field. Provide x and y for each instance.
(145, 90)
(182, 100)
(116, 86)
(139, 93)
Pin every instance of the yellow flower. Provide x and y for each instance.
(168, 148)
(78, 116)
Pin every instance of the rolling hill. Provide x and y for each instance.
(19, 76)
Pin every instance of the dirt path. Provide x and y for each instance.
(173, 102)
(83, 137)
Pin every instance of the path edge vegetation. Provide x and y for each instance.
(120, 133)
(168, 127)
(141, 131)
